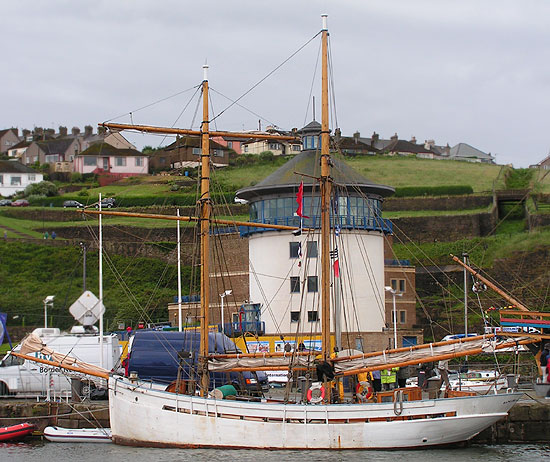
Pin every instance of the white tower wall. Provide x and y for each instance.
(361, 270)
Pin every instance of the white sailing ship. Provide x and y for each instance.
(143, 413)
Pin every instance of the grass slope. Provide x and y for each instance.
(31, 272)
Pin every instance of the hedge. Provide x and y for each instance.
(451, 190)
(138, 201)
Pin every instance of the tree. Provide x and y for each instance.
(44, 188)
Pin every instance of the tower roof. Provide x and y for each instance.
(285, 180)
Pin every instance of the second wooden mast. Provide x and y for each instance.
(325, 188)
(205, 212)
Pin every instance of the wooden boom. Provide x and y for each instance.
(489, 284)
(183, 131)
(190, 219)
(103, 375)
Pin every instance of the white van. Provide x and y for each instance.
(28, 378)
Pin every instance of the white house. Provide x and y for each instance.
(15, 177)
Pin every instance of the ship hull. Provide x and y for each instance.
(143, 416)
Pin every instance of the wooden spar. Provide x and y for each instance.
(431, 359)
(411, 362)
(182, 218)
(267, 354)
(325, 188)
(206, 208)
(103, 375)
(347, 358)
(489, 284)
(182, 131)
(413, 348)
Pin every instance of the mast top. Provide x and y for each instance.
(324, 19)
(205, 72)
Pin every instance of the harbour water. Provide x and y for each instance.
(60, 452)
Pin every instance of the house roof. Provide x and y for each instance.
(55, 146)
(285, 180)
(106, 149)
(192, 142)
(21, 144)
(12, 166)
(464, 150)
(405, 146)
(349, 142)
(538, 164)
(6, 130)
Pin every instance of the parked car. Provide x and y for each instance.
(5, 203)
(20, 203)
(73, 204)
(107, 203)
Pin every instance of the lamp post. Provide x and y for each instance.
(48, 301)
(222, 296)
(394, 294)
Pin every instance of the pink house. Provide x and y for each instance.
(111, 163)
(230, 142)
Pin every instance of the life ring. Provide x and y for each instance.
(320, 396)
(364, 391)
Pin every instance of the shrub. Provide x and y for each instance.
(266, 156)
(519, 178)
(44, 188)
(83, 193)
(76, 177)
(450, 190)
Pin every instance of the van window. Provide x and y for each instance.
(12, 361)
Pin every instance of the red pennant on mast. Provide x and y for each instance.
(336, 267)
(300, 201)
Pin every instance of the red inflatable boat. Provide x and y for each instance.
(16, 431)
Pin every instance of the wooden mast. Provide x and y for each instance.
(325, 199)
(206, 208)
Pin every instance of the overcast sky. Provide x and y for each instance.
(472, 71)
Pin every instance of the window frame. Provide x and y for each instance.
(310, 284)
(294, 284)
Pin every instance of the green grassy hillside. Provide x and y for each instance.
(31, 272)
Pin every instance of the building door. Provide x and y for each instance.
(105, 163)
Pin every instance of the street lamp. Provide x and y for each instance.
(394, 294)
(222, 296)
(48, 301)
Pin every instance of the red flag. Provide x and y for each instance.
(300, 201)
(336, 267)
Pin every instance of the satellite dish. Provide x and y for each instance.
(87, 309)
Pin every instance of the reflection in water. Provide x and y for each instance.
(61, 452)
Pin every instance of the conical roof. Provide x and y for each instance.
(287, 178)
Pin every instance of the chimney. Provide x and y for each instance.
(374, 139)
(413, 139)
(62, 131)
(75, 131)
(88, 131)
(38, 132)
(101, 130)
(394, 137)
(447, 150)
(356, 137)
(26, 133)
(429, 144)
(50, 132)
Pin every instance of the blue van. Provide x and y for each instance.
(154, 356)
